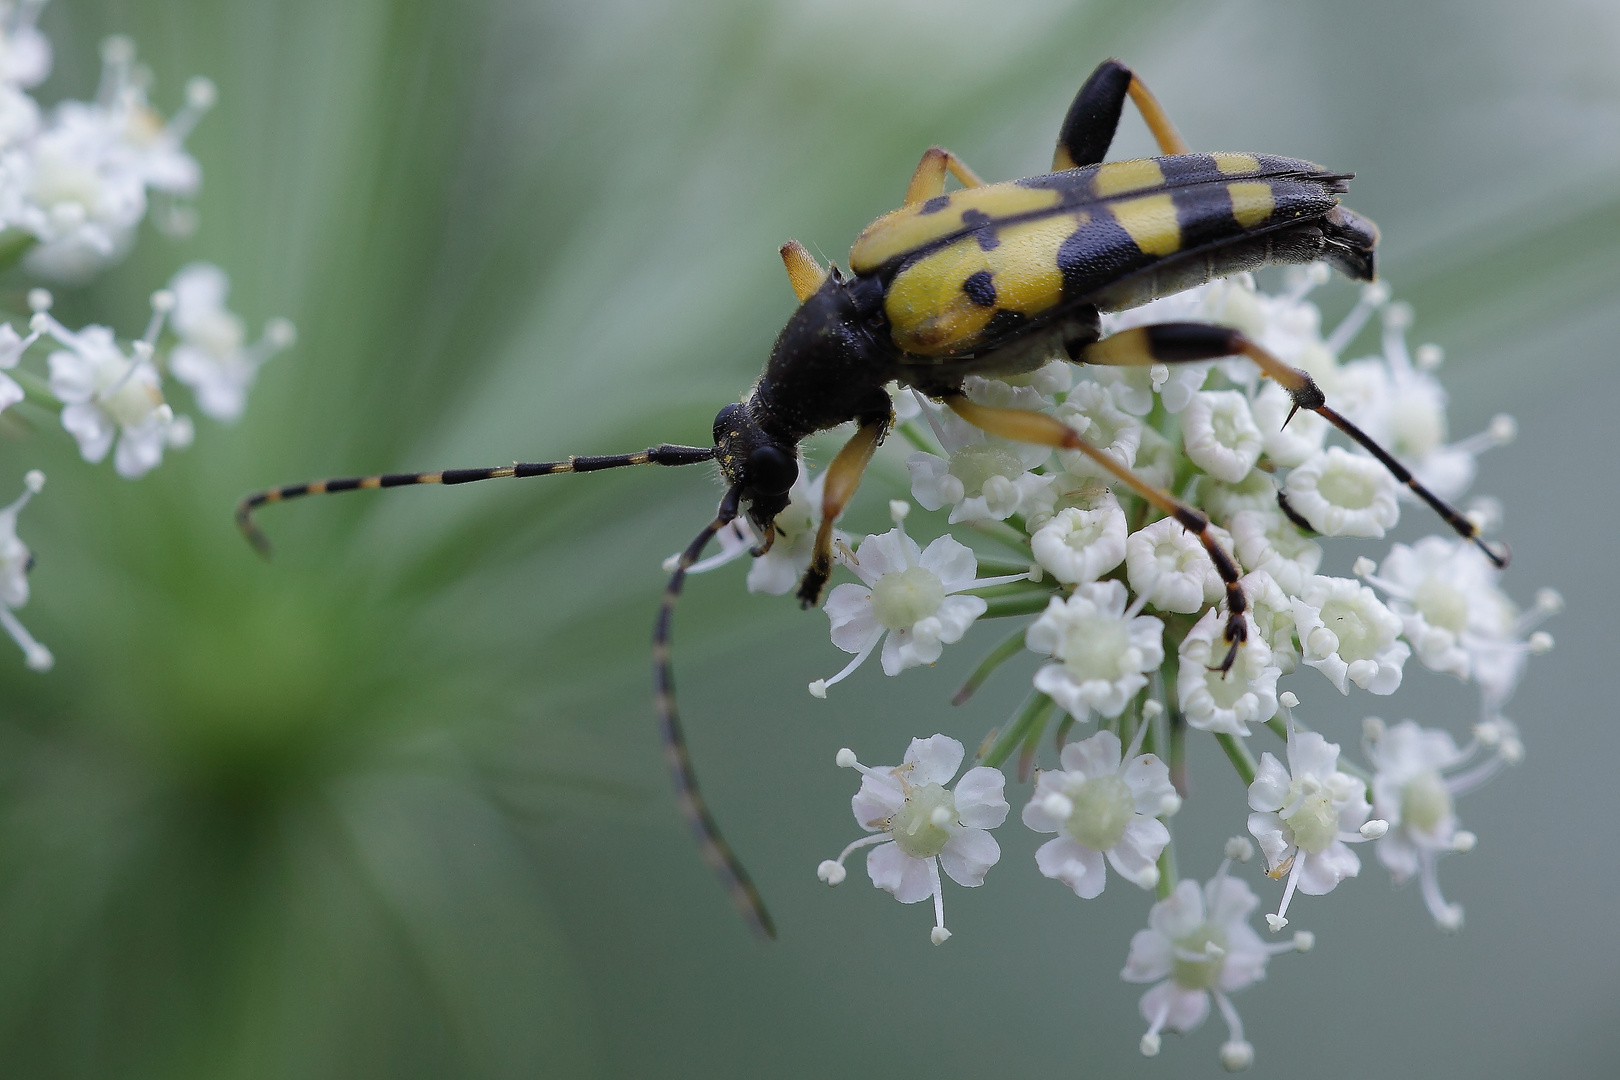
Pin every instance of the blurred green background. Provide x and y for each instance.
(392, 805)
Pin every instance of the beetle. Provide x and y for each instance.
(989, 279)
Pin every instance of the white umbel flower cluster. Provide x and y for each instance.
(76, 181)
(1127, 611)
(80, 177)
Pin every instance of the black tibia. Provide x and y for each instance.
(1089, 127)
(666, 454)
(1237, 628)
(1293, 515)
(716, 852)
(1173, 343)
(1463, 527)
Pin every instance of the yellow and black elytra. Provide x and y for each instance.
(991, 279)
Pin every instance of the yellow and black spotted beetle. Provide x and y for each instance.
(991, 279)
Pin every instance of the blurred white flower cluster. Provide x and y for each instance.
(76, 181)
(1127, 611)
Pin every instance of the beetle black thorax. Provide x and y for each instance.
(829, 363)
(828, 366)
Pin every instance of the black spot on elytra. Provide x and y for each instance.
(980, 289)
(984, 229)
(935, 205)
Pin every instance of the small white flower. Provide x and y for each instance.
(1103, 652)
(1091, 412)
(25, 53)
(1225, 701)
(1102, 804)
(1291, 443)
(1272, 612)
(1169, 566)
(1450, 608)
(1223, 501)
(1267, 540)
(907, 596)
(109, 394)
(1199, 944)
(1220, 434)
(981, 478)
(1344, 494)
(1082, 543)
(1349, 635)
(1304, 816)
(921, 825)
(1412, 791)
(15, 561)
(213, 356)
(84, 177)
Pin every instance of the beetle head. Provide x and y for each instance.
(764, 466)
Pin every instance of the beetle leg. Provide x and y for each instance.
(1023, 425)
(803, 271)
(1089, 127)
(929, 179)
(843, 477)
(1173, 343)
(656, 455)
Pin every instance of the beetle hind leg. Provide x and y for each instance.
(1089, 127)
(1171, 343)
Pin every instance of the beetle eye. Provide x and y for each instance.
(770, 471)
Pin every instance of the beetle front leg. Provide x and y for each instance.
(843, 477)
(1089, 127)
(1174, 343)
(1024, 425)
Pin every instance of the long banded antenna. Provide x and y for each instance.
(716, 852)
(667, 454)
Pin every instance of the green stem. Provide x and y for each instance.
(1002, 567)
(1178, 751)
(1033, 714)
(1000, 530)
(998, 656)
(1239, 755)
(1026, 754)
(913, 435)
(1062, 732)
(1167, 870)
(37, 389)
(1026, 603)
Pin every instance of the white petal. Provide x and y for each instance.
(1074, 864)
(1097, 756)
(980, 799)
(933, 760)
(879, 798)
(893, 871)
(1151, 957)
(952, 561)
(1325, 869)
(1269, 791)
(91, 427)
(968, 855)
